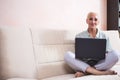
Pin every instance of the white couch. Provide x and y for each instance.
(38, 54)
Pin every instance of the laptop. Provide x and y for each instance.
(90, 50)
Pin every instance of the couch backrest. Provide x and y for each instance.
(114, 38)
(16, 53)
(50, 46)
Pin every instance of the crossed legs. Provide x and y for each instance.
(102, 68)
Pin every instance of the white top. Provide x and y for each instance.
(100, 34)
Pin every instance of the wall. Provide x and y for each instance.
(60, 14)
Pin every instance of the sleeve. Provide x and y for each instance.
(78, 35)
(108, 45)
(81, 35)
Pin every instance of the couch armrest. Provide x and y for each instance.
(16, 53)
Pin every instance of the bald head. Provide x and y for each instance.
(92, 14)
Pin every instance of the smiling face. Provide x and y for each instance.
(92, 20)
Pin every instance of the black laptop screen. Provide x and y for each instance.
(88, 48)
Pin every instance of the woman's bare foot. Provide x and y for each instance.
(98, 72)
(79, 74)
(107, 72)
(110, 72)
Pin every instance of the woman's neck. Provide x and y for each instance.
(92, 32)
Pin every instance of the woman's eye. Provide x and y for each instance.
(93, 19)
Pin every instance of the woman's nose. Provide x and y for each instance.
(93, 21)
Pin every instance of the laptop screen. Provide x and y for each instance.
(90, 48)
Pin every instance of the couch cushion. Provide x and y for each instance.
(50, 59)
(61, 77)
(50, 47)
(20, 79)
(88, 77)
(102, 77)
(52, 53)
(16, 53)
(53, 69)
